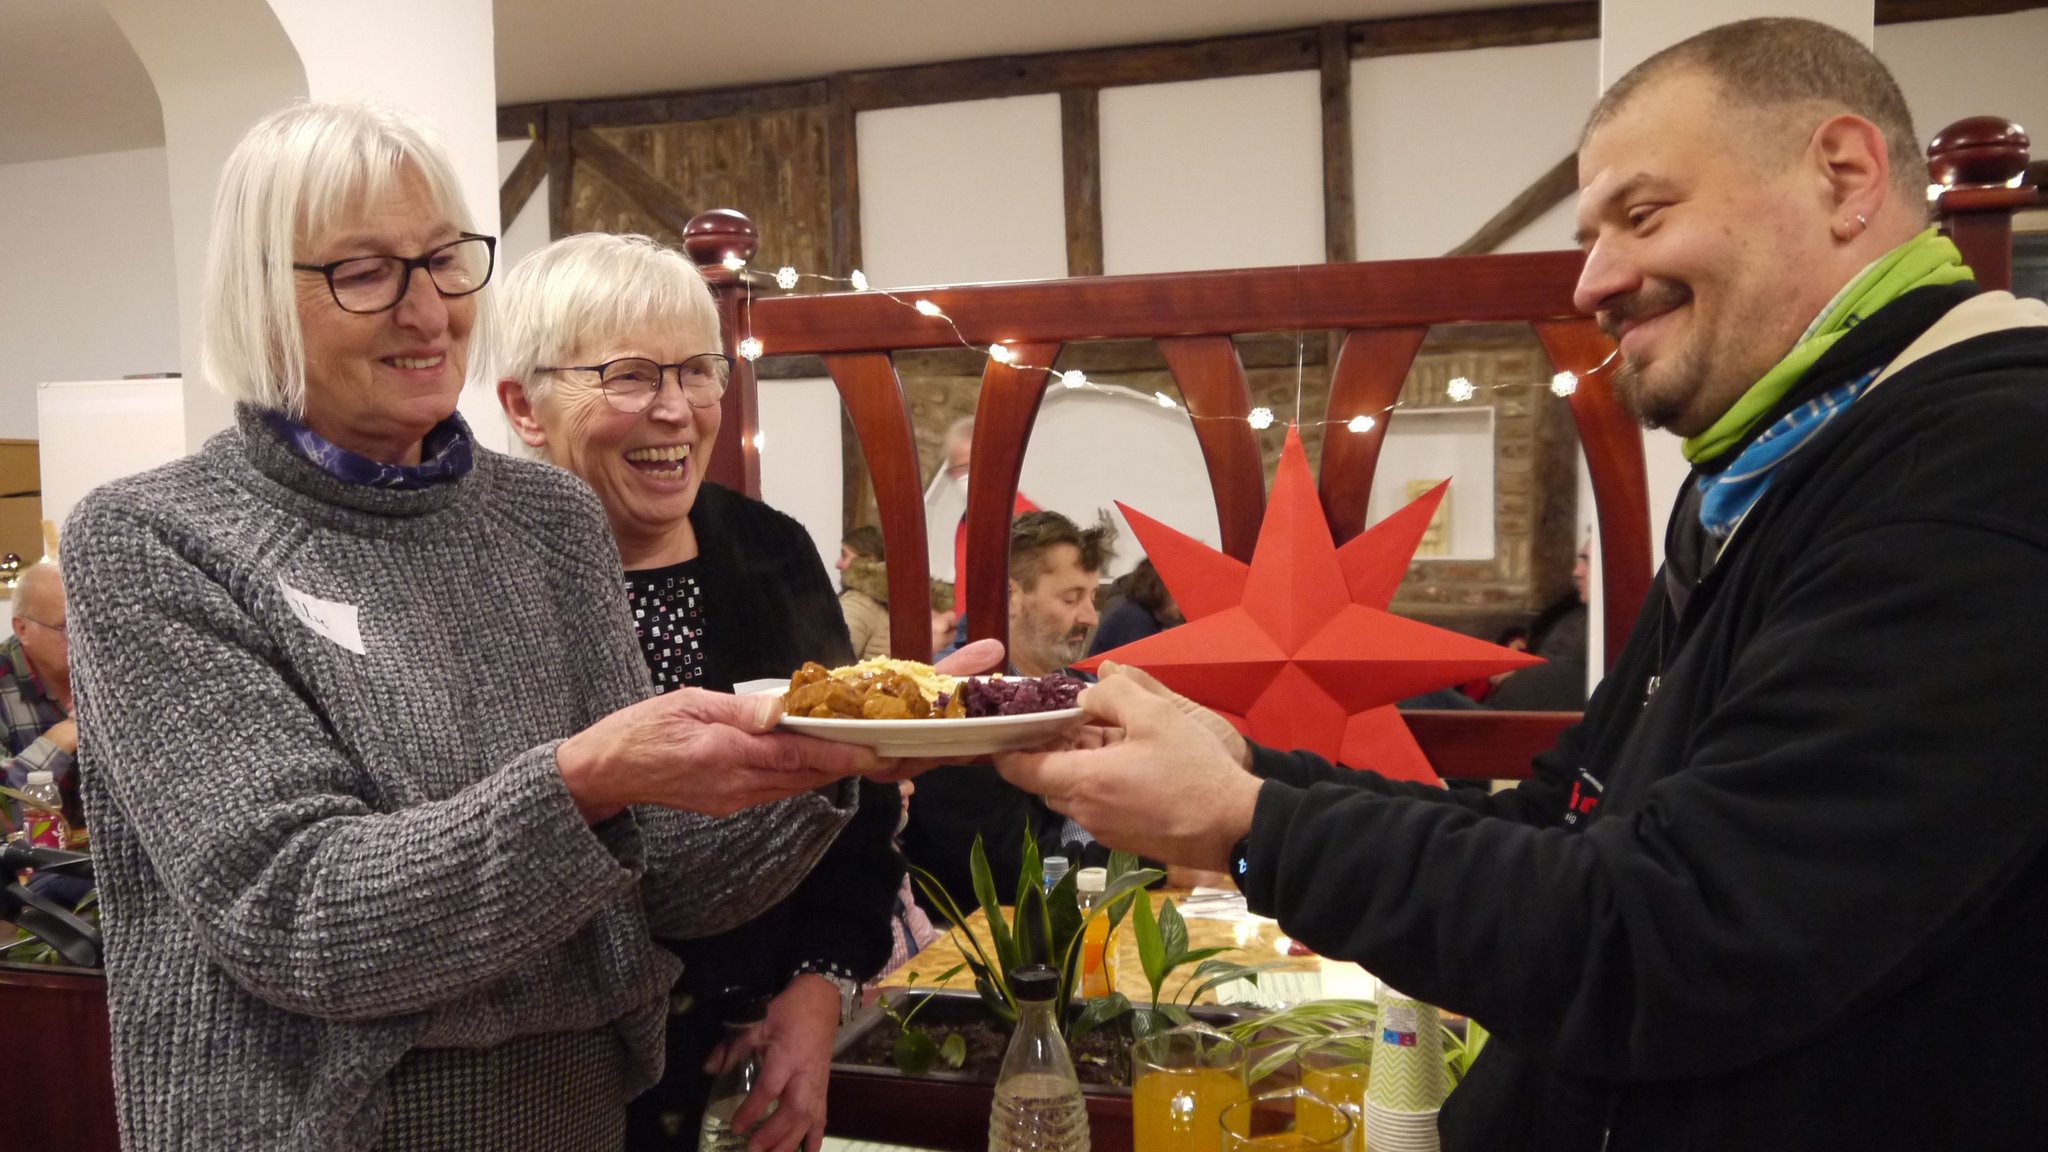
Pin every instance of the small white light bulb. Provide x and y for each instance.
(1261, 418)
(785, 278)
(734, 263)
(1564, 384)
(927, 308)
(1000, 354)
(1073, 379)
(750, 349)
(860, 280)
(759, 439)
(1461, 389)
(1360, 424)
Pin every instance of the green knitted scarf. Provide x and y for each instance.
(1926, 260)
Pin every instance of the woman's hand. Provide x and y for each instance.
(698, 751)
(796, 1057)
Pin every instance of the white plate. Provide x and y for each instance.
(930, 739)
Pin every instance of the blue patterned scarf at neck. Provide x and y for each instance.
(1726, 497)
(444, 455)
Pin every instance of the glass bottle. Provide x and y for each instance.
(1098, 952)
(1038, 1098)
(731, 1088)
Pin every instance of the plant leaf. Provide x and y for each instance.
(1096, 1013)
(954, 1050)
(1004, 945)
(1217, 980)
(1034, 928)
(1174, 1012)
(1202, 955)
(1063, 906)
(1151, 951)
(1123, 887)
(948, 974)
(1173, 934)
(913, 1053)
(1031, 868)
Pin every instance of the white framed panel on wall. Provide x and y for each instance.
(967, 192)
(93, 431)
(1442, 141)
(1221, 173)
(801, 465)
(1424, 447)
(1976, 66)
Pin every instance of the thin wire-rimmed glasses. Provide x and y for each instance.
(365, 284)
(632, 382)
(61, 629)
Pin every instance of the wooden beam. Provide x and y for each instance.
(521, 121)
(1549, 190)
(1913, 11)
(992, 76)
(518, 187)
(1340, 222)
(643, 188)
(561, 169)
(1081, 154)
(683, 107)
(1463, 31)
(842, 152)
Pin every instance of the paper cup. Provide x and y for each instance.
(1408, 1059)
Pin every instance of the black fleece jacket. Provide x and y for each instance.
(1797, 896)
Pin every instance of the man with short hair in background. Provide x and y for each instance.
(1786, 884)
(35, 685)
(1055, 567)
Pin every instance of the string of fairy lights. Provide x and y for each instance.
(1459, 390)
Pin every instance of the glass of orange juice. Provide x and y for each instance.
(1337, 1068)
(1296, 1120)
(1184, 1078)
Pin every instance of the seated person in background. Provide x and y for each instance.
(1054, 566)
(35, 686)
(723, 589)
(1559, 636)
(864, 592)
(1146, 610)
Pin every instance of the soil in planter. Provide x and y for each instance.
(1094, 1056)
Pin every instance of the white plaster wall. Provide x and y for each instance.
(1979, 66)
(965, 192)
(88, 280)
(1092, 448)
(1441, 142)
(800, 457)
(1213, 174)
(1632, 31)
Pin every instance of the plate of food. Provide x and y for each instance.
(904, 709)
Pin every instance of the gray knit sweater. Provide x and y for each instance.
(325, 835)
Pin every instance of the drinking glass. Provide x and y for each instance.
(1337, 1068)
(1184, 1078)
(1295, 1120)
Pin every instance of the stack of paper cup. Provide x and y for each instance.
(1408, 1083)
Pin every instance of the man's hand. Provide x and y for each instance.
(64, 734)
(1168, 790)
(1233, 742)
(796, 1058)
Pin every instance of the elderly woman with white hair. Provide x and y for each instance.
(385, 819)
(613, 369)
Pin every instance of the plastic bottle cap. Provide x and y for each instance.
(1091, 879)
(1035, 982)
(36, 778)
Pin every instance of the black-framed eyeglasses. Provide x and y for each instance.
(632, 382)
(365, 284)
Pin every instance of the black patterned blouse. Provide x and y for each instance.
(668, 616)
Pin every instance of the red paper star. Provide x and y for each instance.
(1297, 649)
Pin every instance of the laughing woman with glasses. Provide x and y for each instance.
(386, 822)
(609, 371)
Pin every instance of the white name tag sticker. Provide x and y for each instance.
(329, 618)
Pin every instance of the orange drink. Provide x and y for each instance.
(1185, 1078)
(1098, 960)
(1296, 1120)
(1337, 1069)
